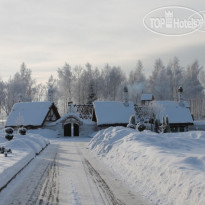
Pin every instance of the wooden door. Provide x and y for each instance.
(76, 130)
(67, 130)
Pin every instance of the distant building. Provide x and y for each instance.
(112, 113)
(32, 114)
(178, 114)
(146, 99)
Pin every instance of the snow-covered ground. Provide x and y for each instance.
(67, 173)
(23, 149)
(164, 168)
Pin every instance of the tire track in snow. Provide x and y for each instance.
(30, 180)
(50, 191)
(104, 190)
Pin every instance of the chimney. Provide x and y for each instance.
(180, 96)
(126, 102)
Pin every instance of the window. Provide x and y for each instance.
(174, 129)
(181, 129)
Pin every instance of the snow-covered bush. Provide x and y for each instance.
(132, 122)
(9, 130)
(165, 125)
(22, 131)
(156, 126)
(9, 133)
(5, 151)
(9, 136)
(141, 126)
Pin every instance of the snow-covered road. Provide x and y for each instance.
(66, 173)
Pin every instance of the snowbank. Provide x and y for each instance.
(165, 168)
(45, 133)
(24, 148)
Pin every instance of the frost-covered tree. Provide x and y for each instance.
(159, 83)
(40, 92)
(2, 97)
(65, 82)
(97, 79)
(77, 85)
(85, 80)
(202, 79)
(137, 74)
(191, 84)
(52, 83)
(113, 78)
(91, 93)
(21, 84)
(24, 84)
(175, 76)
(137, 82)
(83, 77)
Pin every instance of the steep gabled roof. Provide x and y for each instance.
(30, 114)
(113, 112)
(177, 113)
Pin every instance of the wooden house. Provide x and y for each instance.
(32, 114)
(112, 113)
(178, 114)
(146, 99)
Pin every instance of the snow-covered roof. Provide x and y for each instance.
(66, 116)
(113, 112)
(177, 114)
(146, 97)
(28, 113)
(72, 113)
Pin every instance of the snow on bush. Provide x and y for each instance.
(165, 168)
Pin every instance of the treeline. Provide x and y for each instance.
(84, 84)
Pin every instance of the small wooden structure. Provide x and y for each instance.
(71, 125)
(146, 99)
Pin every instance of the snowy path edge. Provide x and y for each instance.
(19, 169)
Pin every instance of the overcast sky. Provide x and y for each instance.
(47, 33)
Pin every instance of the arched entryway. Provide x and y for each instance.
(67, 130)
(71, 125)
